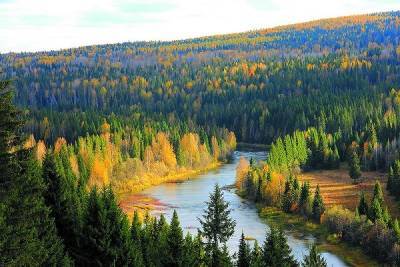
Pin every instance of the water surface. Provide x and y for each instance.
(188, 199)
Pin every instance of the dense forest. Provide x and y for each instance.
(122, 117)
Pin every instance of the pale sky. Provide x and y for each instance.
(36, 25)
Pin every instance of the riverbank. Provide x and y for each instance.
(300, 226)
(132, 186)
(129, 191)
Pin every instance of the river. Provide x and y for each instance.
(188, 199)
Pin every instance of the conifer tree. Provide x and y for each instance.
(217, 225)
(175, 242)
(362, 205)
(243, 253)
(314, 258)
(318, 207)
(354, 166)
(375, 211)
(304, 199)
(378, 194)
(136, 228)
(256, 255)
(28, 236)
(276, 251)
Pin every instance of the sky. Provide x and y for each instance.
(37, 25)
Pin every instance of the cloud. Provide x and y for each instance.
(54, 24)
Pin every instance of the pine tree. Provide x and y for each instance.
(389, 185)
(256, 255)
(217, 225)
(378, 194)
(28, 236)
(318, 207)
(225, 259)
(362, 205)
(375, 211)
(304, 198)
(314, 258)
(276, 251)
(65, 202)
(243, 253)
(354, 166)
(136, 228)
(175, 242)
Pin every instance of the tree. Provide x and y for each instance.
(375, 211)
(217, 225)
(354, 166)
(304, 199)
(318, 207)
(276, 251)
(175, 243)
(136, 228)
(378, 193)
(28, 235)
(243, 253)
(314, 258)
(256, 255)
(362, 205)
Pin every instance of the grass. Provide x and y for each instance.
(338, 188)
(298, 225)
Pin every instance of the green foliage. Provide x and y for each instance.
(363, 205)
(175, 243)
(314, 258)
(244, 257)
(217, 225)
(276, 251)
(354, 166)
(318, 206)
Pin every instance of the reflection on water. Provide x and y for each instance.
(188, 199)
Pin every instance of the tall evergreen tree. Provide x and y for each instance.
(354, 166)
(276, 251)
(318, 207)
(217, 225)
(256, 255)
(175, 243)
(28, 236)
(304, 199)
(243, 253)
(362, 205)
(314, 258)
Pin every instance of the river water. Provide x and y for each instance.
(188, 199)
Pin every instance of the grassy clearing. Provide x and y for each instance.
(298, 225)
(337, 187)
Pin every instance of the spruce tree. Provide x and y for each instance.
(276, 251)
(175, 243)
(354, 166)
(28, 236)
(256, 255)
(304, 199)
(375, 211)
(318, 207)
(314, 258)
(378, 194)
(217, 225)
(362, 205)
(243, 253)
(136, 228)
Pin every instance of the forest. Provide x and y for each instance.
(80, 126)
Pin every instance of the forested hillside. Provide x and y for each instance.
(260, 84)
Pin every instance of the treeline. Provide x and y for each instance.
(133, 160)
(282, 80)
